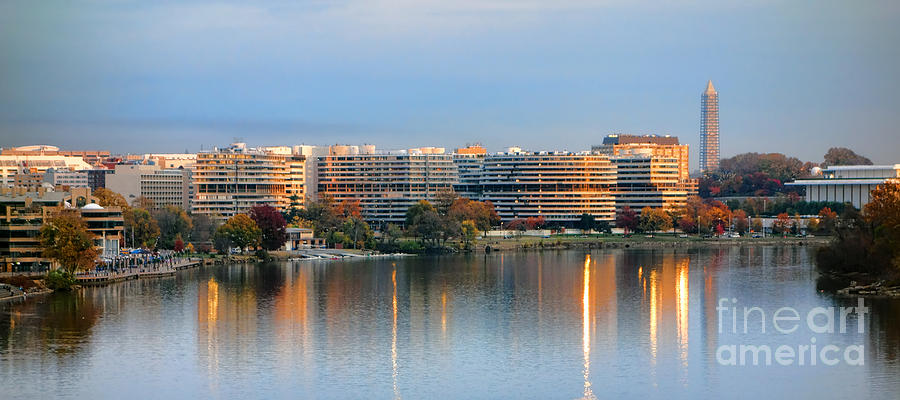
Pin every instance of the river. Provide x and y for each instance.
(620, 323)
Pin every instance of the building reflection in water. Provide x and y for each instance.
(395, 367)
(665, 292)
(586, 326)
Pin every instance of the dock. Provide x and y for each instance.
(107, 278)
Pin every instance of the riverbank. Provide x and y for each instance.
(638, 241)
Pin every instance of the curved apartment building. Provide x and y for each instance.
(386, 184)
(558, 186)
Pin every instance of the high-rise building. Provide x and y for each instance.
(558, 186)
(469, 162)
(648, 180)
(654, 145)
(709, 129)
(385, 183)
(164, 187)
(232, 180)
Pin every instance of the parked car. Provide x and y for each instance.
(756, 236)
(683, 235)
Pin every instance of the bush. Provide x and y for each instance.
(60, 280)
(411, 247)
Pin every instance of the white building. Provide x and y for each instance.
(65, 177)
(848, 183)
(10, 165)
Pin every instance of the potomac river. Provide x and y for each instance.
(616, 323)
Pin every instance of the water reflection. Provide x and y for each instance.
(490, 326)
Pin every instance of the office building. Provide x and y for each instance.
(22, 213)
(97, 177)
(311, 155)
(654, 145)
(387, 183)
(709, 129)
(559, 186)
(66, 178)
(847, 184)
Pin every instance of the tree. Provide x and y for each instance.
(586, 222)
(627, 220)
(782, 224)
(469, 231)
(482, 213)
(654, 219)
(140, 227)
(172, 221)
(108, 198)
(144, 202)
(66, 240)
(203, 228)
(417, 210)
(844, 156)
(272, 225)
(358, 233)
(740, 221)
(179, 244)
(392, 233)
(867, 242)
(241, 231)
(883, 213)
(757, 225)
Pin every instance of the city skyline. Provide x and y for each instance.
(139, 77)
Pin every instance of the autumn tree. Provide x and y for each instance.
(66, 240)
(627, 220)
(740, 221)
(481, 213)
(827, 220)
(271, 224)
(468, 232)
(654, 219)
(782, 224)
(140, 227)
(108, 198)
(844, 156)
(357, 232)
(240, 231)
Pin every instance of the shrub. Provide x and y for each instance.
(60, 280)
(411, 247)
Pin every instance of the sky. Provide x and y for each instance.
(795, 77)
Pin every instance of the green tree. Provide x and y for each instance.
(358, 233)
(140, 227)
(172, 221)
(241, 231)
(66, 240)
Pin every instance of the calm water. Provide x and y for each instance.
(559, 325)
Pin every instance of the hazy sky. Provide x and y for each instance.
(136, 76)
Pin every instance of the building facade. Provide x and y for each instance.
(709, 129)
(232, 180)
(66, 178)
(386, 184)
(848, 184)
(163, 187)
(558, 186)
(647, 180)
(11, 165)
(23, 213)
(469, 162)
